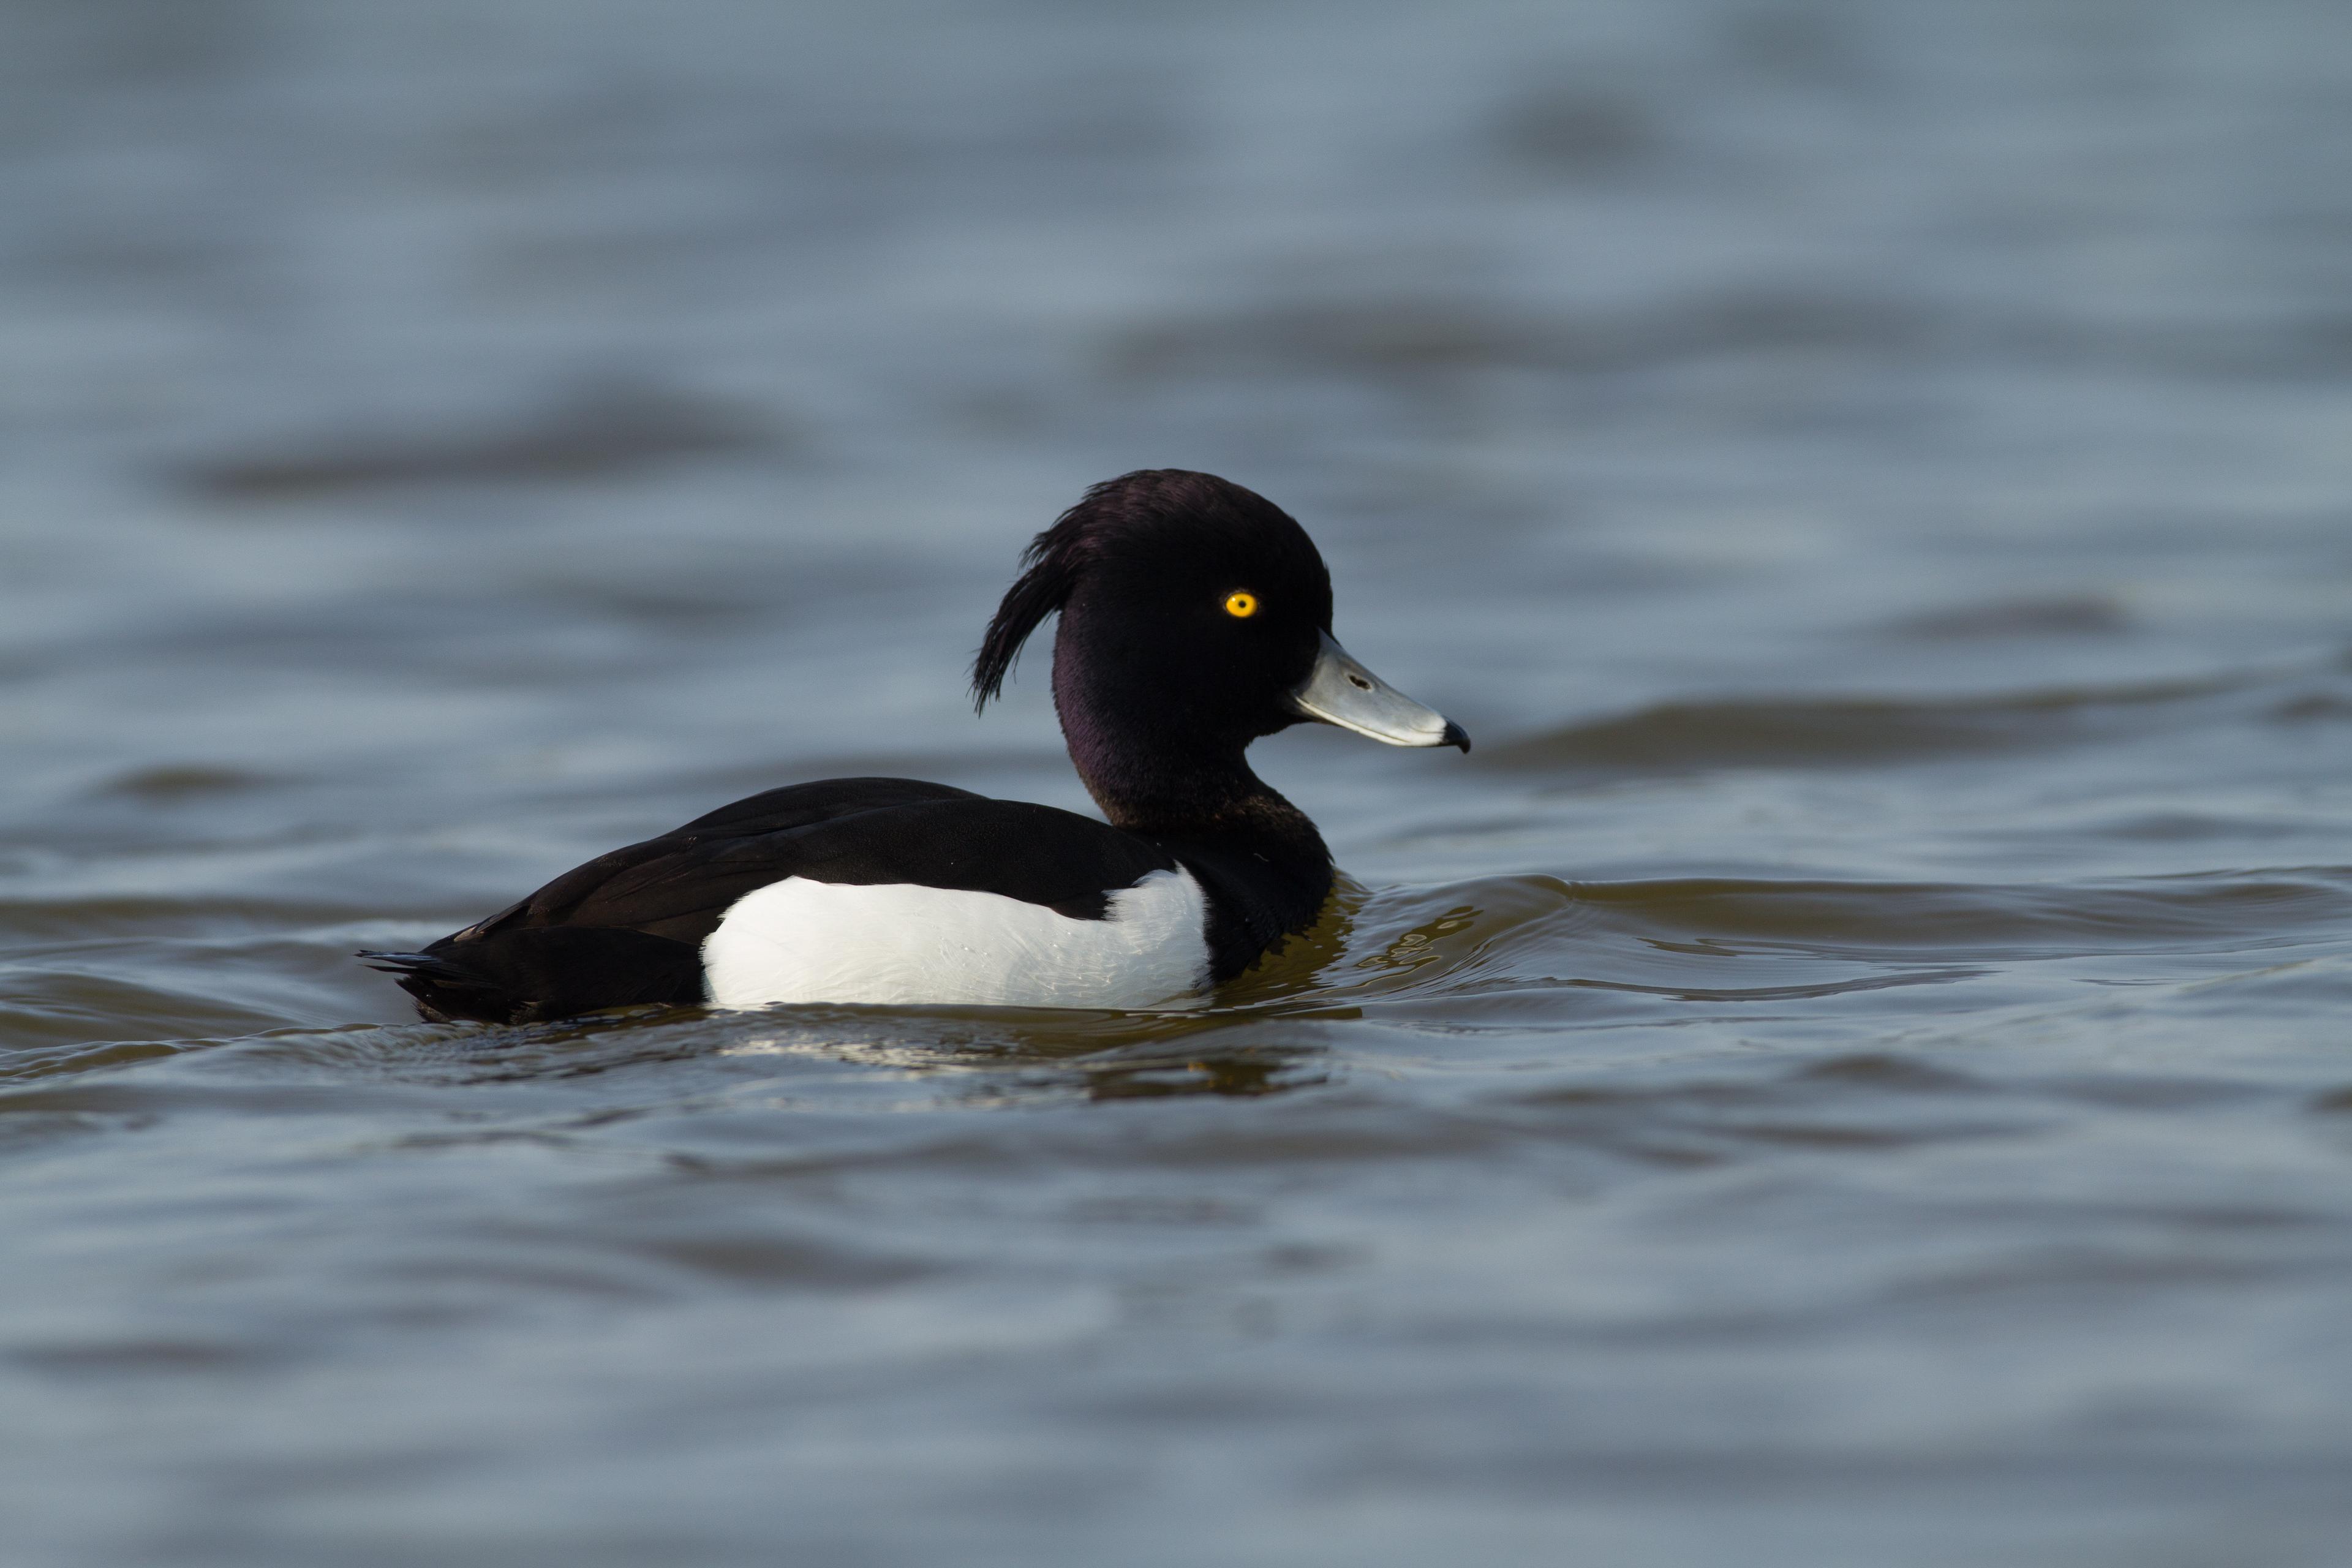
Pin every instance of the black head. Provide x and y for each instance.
(1184, 597)
(1196, 616)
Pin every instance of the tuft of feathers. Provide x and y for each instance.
(1049, 570)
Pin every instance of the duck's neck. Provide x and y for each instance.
(1265, 869)
(1149, 778)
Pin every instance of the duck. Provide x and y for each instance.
(1195, 617)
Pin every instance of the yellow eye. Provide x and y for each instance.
(1242, 606)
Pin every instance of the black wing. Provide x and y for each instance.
(628, 926)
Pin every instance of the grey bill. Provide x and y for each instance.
(1339, 690)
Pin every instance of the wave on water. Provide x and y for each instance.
(99, 980)
(1850, 730)
(1522, 955)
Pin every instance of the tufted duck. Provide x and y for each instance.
(1196, 616)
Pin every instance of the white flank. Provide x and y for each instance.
(897, 942)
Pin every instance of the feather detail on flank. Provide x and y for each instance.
(897, 942)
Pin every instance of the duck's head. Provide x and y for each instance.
(1196, 616)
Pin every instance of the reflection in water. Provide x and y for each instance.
(1008, 1058)
(1250, 1070)
(1418, 948)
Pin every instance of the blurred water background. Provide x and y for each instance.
(1852, 1070)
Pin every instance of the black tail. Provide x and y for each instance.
(528, 974)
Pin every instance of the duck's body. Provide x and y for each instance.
(880, 890)
(1196, 616)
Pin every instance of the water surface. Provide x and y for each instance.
(1851, 1070)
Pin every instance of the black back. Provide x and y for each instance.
(856, 831)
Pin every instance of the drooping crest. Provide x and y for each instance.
(1049, 569)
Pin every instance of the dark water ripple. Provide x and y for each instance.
(1850, 732)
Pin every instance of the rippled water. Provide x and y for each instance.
(1852, 1069)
